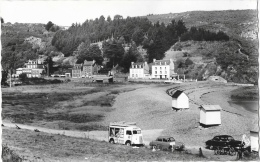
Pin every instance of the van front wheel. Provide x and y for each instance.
(111, 141)
(128, 144)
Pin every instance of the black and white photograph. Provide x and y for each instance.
(129, 80)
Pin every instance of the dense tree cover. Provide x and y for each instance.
(48, 25)
(131, 55)
(156, 38)
(113, 51)
(204, 35)
(15, 55)
(89, 53)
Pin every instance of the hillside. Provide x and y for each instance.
(240, 25)
(234, 22)
(219, 36)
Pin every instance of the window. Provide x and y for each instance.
(155, 72)
(165, 72)
(171, 139)
(159, 139)
(136, 131)
(112, 131)
(128, 132)
(164, 140)
(160, 72)
(165, 67)
(133, 75)
(160, 68)
(155, 68)
(117, 132)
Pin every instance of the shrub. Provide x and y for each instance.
(9, 155)
(23, 77)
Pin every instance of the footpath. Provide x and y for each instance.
(148, 135)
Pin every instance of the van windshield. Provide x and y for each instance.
(136, 131)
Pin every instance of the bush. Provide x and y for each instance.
(23, 77)
(9, 155)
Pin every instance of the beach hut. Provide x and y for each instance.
(180, 100)
(254, 138)
(210, 115)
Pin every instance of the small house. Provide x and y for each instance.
(210, 115)
(180, 100)
(254, 132)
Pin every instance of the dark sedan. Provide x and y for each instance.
(222, 141)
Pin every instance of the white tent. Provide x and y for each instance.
(180, 100)
(254, 138)
(210, 115)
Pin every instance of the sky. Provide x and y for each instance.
(66, 12)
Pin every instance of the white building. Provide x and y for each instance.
(162, 69)
(254, 138)
(139, 70)
(210, 115)
(34, 68)
(180, 100)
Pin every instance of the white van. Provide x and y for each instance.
(125, 133)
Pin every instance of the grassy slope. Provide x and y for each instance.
(231, 21)
(245, 93)
(63, 106)
(48, 147)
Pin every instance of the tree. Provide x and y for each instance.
(90, 53)
(114, 52)
(48, 65)
(108, 19)
(138, 36)
(48, 25)
(132, 55)
(23, 77)
(2, 20)
(4, 77)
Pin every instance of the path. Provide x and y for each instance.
(148, 135)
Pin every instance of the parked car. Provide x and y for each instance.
(166, 143)
(222, 141)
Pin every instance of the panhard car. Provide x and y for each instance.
(166, 143)
(222, 141)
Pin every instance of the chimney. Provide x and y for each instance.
(145, 63)
(154, 60)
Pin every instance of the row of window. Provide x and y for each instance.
(137, 66)
(161, 72)
(160, 68)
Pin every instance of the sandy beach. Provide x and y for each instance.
(151, 108)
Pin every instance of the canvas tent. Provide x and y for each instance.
(180, 100)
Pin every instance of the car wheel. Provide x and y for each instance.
(211, 147)
(232, 151)
(128, 144)
(111, 141)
